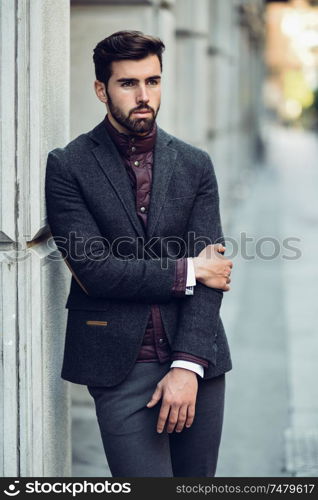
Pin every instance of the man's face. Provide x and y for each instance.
(133, 94)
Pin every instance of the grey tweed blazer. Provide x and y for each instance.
(119, 268)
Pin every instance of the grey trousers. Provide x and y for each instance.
(132, 445)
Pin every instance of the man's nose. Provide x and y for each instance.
(142, 95)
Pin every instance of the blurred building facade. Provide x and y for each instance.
(291, 57)
(211, 98)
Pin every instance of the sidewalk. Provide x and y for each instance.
(271, 419)
(88, 453)
(297, 152)
(271, 414)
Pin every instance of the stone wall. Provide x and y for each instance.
(34, 89)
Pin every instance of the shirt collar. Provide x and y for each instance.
(132, 143)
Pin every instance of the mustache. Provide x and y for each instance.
(142, 107)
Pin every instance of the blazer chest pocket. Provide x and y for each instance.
(180, 199)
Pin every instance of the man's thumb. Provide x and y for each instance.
(155, 398)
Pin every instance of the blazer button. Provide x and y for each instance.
(142, 209)
(160, 341)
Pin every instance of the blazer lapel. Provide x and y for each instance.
(163, 165)
(112, 165)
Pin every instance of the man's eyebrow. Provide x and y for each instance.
(155, 77)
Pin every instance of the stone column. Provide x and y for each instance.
(223, 89)
(192, 71)
(235, 62)
(34, 92)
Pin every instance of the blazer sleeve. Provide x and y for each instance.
(199, 313)
(85, 250)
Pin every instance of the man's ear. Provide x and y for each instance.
(100, 91)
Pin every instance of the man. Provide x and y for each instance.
(135, 214)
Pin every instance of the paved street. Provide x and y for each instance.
(88, 454)
(271, 414)
(271, 408)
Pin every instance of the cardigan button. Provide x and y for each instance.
(136, 163)
(142, 209)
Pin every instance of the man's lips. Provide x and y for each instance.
(141, 112)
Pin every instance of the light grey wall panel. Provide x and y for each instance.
(34, 119)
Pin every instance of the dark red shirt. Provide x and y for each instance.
(137, 154)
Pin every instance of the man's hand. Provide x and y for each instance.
(212, 269)
(178, 390)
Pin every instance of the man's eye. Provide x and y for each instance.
(127, 84)
(153, 82)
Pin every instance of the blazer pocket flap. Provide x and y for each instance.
(95, 322)
(83, 319)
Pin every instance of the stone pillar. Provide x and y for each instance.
(166, 29)
(192, 71)
(235, 62)
(223, 90)
(251, 24)
(34, 93)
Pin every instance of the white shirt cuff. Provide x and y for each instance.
(188, 365)
(191, 281)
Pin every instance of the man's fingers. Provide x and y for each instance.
(190, 415)
(173, 418)
(182, 417)
(214, 249)
(155, 397)
(220, 248)
(164, 412)
(224, 287)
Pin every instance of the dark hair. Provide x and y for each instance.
(124, 45)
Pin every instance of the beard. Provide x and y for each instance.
(136, 125)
